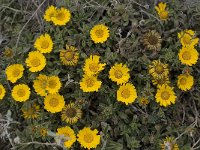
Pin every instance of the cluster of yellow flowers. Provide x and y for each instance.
(91, 69)
(165, 95)
(126, 93)
(49, 86)
(86, 137)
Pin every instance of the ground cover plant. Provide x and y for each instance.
(99, 74)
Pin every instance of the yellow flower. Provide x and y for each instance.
(187, 38)
(158, 69)
(8, 52)
(162, 12)
(43, 132)
(185, 82)
(54, 103)
(40, 84)
(144, 101)
(49, 13)
(44, 43)
(36, 61)
(119, 73)
(14, 72)
(188, 55)
(2, 92)
(126, 93)
(90, 84)
(70, 56)
(92, 65)
(31, 112)
(88, 138)
(152, 40)
(71, 113)
(68, 136)
(160, 81)
(169, 144)
(165, 95)
(61, 17)
(99, 33)
(21, 92)
(53, 84)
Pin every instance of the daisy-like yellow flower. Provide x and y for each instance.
(165, 95)
(162, 12)
(158, 69)
(144, 101)
(43, 132)
(152, 40)
(119, 73)
(44, 43)
(70, 56)
(71, 113)
(88, 138)
(188, 38)
(185, 82)
(49, 13)
(68, 136)
(169, 144)
(188, 55)
(54, 103)
(99, 33)
(160, 81)
(2, 92)
(36, 61)
(126, 93)
(21, 92)
(90, 84)
(92, 65)
(61, 17)
(40, 85)
(14, 72)
(31, 112)
(53, 84)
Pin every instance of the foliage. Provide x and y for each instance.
(122, 127)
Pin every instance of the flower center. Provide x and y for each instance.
(118, 74)
(186, 55)
(60, 16)
(187, 38)
(21, 92)
(159, 69)
(52, 84)
(45, 44)
(90, 82)
(69, 56)
(183, 81)
(88, 138)
(53, 102)
(99, 33)
(71, 112)
(125, 93)
(16, 72)
(35, 62)
(31, 111)
(94, 67)
(153, 40)
(165, 95)
(1, 91)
